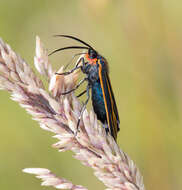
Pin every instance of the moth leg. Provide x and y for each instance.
(82, 93)
(75, 68)
(83, 108)
(69, 72)
(105, 126)
(79, 61)
(77, 86)
(73, 59)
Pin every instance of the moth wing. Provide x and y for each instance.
(110, 103)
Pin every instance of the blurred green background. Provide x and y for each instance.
(142, 41)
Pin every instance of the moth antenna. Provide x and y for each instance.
(74, 38)
(69, 47)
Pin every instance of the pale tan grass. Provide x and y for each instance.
(59, 114)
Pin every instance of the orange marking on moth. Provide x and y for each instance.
(91, 61)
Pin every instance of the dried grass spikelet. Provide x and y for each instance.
(59, 114)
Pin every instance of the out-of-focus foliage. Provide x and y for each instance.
(142, 41)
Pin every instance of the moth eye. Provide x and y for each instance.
(92, 53)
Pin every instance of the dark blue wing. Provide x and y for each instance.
(109, 101)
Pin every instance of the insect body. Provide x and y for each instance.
(95, 67)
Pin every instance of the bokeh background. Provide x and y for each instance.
(142, 41)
